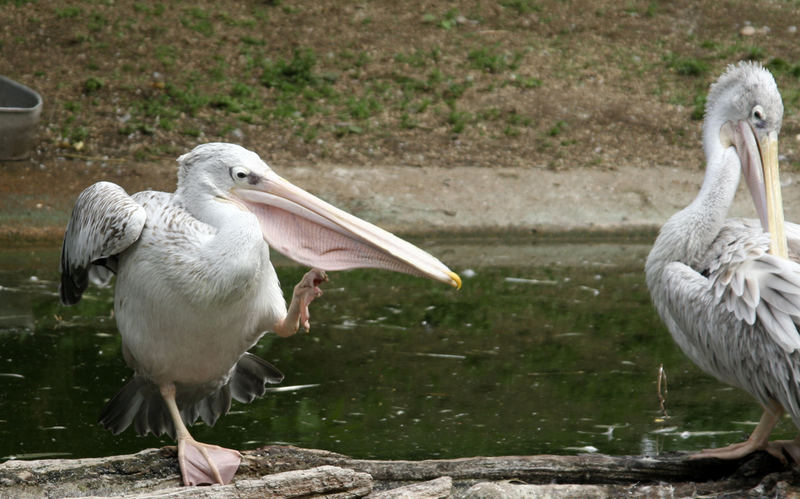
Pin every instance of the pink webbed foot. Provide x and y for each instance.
(781, 448)
(306, 291)
(733, 451)
(206, 464)
(758, 440)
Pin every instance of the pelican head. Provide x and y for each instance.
(293, 221)
(744, 111)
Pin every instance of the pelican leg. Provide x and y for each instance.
(200, 463)
(304, 293)
(758, 440)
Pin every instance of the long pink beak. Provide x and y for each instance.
(759, 161)
(315, 233)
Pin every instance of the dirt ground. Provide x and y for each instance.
(421, 116)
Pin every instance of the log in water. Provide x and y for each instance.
(283, 471)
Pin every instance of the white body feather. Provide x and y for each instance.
(191, 299)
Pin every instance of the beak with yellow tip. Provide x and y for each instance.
(759, 160)
(313, 232)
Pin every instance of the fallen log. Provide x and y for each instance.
(155, 471)
(325, 481)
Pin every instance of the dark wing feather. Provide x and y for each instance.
(250, 377)
(104, 222)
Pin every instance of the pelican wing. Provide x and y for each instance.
(104, 222)
(753, 285)
(793, 240)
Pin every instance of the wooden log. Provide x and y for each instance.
(589, 468)
(511, 490)
(155, 470)
(439, 488)
(325, 481)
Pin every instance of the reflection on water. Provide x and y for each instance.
(550, 347)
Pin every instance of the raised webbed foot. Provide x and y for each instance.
(306, 291)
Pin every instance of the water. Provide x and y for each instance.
(551, 347)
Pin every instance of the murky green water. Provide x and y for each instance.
(550, 347)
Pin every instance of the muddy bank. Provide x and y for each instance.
(408, 200)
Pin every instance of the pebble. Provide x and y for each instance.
(748, 31)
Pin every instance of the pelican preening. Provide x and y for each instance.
(729, 290)
(195, 288)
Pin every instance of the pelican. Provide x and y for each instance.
(729, 290)
(195, 288)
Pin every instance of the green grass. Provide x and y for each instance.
(246, 80)
(300, 90)
(292, 75)
(526, 82)
(557, 128)
(521, 6)
(447, 20)
(69, 12)
(687, 66)
(198, 20)
(494, 61)
(93, 84)
(698, 106)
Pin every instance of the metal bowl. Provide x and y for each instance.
(20, 108)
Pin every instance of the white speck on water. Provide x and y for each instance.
(530, 281)
(586, 448)
(668, 429)
(468, 273)
(440, 355)
(293, 388)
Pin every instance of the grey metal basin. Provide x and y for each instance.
(20, 108)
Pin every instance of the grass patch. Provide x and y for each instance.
(687, 66)
(446, 21)
(291, 75)
(556, 129)
(458, 120)
(526, 82)
(783, 67)
(521, 6)
(68, 12)
(363, 107)
(198, 20)
(494, 61)
(93, 84)
(698, 107)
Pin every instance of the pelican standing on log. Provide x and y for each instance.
(195, 288)
(729, 290)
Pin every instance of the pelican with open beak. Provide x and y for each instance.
(195, 288)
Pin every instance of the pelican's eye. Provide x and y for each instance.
(759, 117)
(238, 173)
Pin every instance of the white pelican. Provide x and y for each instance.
(729, 290)
(195, 288)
